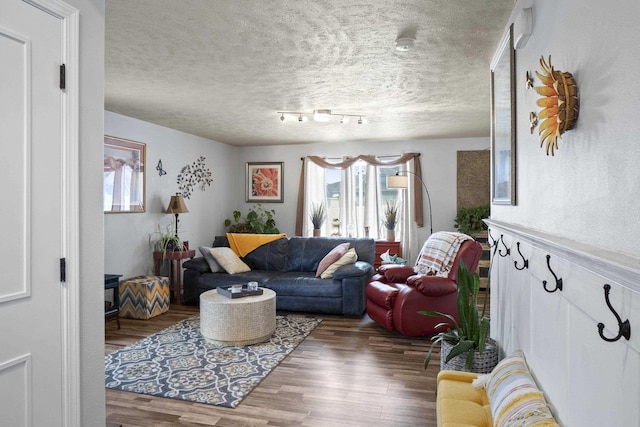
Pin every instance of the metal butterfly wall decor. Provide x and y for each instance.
(159, 168)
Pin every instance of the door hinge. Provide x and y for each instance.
(63, 77)
(63, 269)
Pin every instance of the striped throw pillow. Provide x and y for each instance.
(515, 398)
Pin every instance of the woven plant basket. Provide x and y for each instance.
(483, 363)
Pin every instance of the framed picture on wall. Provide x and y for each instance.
(123, 175)
(503, 123)
(264, 182)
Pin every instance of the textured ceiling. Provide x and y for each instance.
(222, 69)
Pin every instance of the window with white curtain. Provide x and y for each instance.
(354, 198)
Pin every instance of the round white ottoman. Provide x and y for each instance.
(237, 321)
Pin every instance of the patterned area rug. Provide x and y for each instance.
(180, 364)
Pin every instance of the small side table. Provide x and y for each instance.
(394, 248)
(175, 276)
(112, 308)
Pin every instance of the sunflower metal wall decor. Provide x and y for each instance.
(559, 102)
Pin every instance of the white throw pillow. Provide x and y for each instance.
(228, 260)
(348, 258)
(213, 264)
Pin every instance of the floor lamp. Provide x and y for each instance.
(402, 181)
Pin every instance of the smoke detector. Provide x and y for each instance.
(404, 44)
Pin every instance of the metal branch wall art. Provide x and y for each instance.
(559, 104)
(195, 174)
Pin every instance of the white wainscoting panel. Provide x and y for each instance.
(587, 380)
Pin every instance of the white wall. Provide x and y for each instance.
(127, 249)
(581, 207)
(588, 190)
(438, 160)
(209, 209)
(91, 316)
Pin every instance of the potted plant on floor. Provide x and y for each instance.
(390, 219)
(466, 345)
(318, 215)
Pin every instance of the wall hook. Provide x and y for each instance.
(624, 328)
(490, 241)
(507, 250)
(525, 261)
(558, 281)
(529, 81)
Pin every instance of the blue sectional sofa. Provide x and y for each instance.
(288, 267)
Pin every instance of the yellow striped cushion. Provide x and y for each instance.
(514, 396)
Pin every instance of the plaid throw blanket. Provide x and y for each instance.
(438, 253)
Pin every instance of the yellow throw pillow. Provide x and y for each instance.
(228, 260)
(348, 258)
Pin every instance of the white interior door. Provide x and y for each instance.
(33, 385)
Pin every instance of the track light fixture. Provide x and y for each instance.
(320, 116)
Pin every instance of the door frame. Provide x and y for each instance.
(69, 20)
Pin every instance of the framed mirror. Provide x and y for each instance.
(124, 175)
(503, 126)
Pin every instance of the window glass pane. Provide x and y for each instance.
(388, 194)
(344, 224)
(333, 178)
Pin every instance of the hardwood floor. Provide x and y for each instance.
(348, 372)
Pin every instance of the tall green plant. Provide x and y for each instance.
(473, 330)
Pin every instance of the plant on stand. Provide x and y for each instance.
(165, 240)
(465, 345)
(470, 220)
(390, 219)
(318, 215)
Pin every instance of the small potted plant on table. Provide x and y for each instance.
(166, 240)
(390, 219)
(318, 215)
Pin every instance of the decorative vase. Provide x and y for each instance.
(483, 363)
(316, 232)
(391, 235)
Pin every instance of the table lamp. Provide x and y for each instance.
(177, 206)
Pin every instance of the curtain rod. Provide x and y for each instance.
(380, 157)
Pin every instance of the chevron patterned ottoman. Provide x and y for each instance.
(144, 297)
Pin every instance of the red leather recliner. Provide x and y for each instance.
(395, 294)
